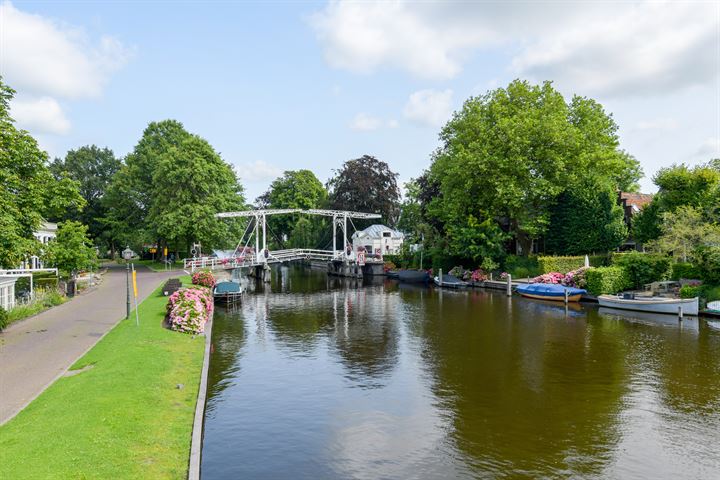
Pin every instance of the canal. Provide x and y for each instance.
(318, 378)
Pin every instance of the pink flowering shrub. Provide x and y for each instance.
(205, 279)
(552, 277)
(576, 278)
(189, 309)
(504, 276)
(478, 275)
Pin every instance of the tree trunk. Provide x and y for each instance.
(525, 243)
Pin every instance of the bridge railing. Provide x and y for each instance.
(251, 260)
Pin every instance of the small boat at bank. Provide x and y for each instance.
(550, 291)
(672, 306)
(392, 274)
(450, 281)
(413, 276)
(227, 292)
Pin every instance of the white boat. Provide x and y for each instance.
(670, 306)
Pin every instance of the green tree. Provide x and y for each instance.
(506, 156)
(296, 189)
(366, 184)
(28, 191)
(92, 168)
(586, 219)
(72, 250)
(682, 232)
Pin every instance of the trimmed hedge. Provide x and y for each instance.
(684, 270)
(606, 280)
(643, 268)
(3, 319)
(568, 263)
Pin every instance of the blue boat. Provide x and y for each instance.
(551, 291)
(227, 292)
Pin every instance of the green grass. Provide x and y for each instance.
(122, 418)
(43, 300)
(158, 266)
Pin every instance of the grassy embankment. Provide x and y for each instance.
(124, 417)
(159, 266)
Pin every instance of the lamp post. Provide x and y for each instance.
(127, 254)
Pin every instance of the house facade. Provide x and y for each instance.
(631, 204)
(7, 291)
(378, 239)
(45, 234)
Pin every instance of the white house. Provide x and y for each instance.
(378, 239)
(45, 234)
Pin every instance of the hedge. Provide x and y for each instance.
(568, 263)
(643, 268)
(606, 280)
(708, 262)
(684, 270)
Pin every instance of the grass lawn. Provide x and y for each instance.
(158, 266)
(122, 418)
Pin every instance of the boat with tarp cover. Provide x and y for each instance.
(227, 292)
(551, 291)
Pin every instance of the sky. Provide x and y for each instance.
(277, 86)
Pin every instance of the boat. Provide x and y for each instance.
(227, 292)
(551, 291)
(712, 309)
(413, 276)
(392, 274)
(689, 323)
(450, 281)
(672, 306)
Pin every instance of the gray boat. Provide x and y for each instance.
(414, 276)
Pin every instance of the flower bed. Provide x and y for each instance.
(205, 279)
(189, 309)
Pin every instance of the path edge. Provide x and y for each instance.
(198, 423)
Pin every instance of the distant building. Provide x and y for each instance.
(45, 234)
(7, 291)
(378, 238)
(632, 203)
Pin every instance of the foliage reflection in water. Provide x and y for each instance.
(316, 377)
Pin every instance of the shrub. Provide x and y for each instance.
(576, 278)
(643, 268)
(688, 291)
(684, 270)
(3, 319)
(520, 267)
(708, 263)
(711, 293)
(552, 277)
(189, 309)
(204, 279)
(602, 280)
(568, 263)
(387, 266)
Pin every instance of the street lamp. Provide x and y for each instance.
(127, 254)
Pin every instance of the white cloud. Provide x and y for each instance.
(258, 171)
(39, 115)
(364, 122)
(429, 107)
(658, 124)
(610, 48)
(43, 57)
(709, 149)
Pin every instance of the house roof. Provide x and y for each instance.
(376, 231)
(637, 200)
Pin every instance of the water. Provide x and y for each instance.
(319, 378)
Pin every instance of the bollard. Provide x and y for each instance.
(440, 277)
(680, 313)
(566, 296)
(509, 285)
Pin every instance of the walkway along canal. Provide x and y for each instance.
(319, 377)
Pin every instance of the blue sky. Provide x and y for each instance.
(288, 85)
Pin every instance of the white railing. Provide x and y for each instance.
(276, 256)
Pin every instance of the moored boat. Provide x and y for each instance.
(413, 276)
(551, 291)
(450, 281)
(672, 306)
(227, 292)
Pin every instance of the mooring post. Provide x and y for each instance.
(566, 296)
(680, 313)
(509, 285)
(440, 277)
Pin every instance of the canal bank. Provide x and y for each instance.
(316, 377)
(125, 410)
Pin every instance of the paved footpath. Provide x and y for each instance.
(37, 351)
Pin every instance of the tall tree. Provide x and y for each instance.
(295, 189)
(366, 184)
(683, 231)
(93, 168)
(586, 219)
(28, 191)
(72, 250)
(507, 156)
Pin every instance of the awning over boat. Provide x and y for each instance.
(549, 290)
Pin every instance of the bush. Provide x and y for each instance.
(684, 270)
(204, 279)
(711, 293)
(566, 264)
(643, 268)
(521, 267)
(688, 291)
(606, 280)
(189, 309)
(3, 319)
(708, 263)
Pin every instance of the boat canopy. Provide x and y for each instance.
(550, 290)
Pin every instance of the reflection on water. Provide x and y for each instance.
(317, 377)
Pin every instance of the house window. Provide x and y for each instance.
(386, 234)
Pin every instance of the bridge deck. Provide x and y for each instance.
(251, 260)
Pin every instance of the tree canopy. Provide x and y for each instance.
(366, 184)
(72, 250)
(508, 155)
(29, 193)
